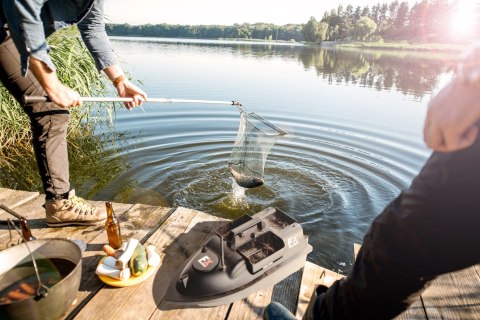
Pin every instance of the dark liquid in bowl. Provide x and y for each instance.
(21, 282)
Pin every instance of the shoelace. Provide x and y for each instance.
(81, 205)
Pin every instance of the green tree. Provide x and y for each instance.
(322, 31)
(358, 13)
(401, 19)
(366, 11)
(310, 29)
(243, 31)
(364, 28)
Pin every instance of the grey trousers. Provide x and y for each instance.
(48, 122)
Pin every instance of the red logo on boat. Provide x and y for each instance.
(205, 261)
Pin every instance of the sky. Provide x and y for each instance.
(223, 12)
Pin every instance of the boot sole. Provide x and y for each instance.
(74, 223)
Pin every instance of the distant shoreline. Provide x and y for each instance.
(223, 40)
(401, 46)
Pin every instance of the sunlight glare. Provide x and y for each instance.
(463, 19)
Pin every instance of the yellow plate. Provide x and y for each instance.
(126, 283)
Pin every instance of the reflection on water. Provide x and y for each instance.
(417, 75)
(354, 121)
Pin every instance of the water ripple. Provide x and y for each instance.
(349, 151)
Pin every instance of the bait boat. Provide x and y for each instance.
(246, 255)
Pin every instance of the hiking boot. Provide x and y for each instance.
(72, 210)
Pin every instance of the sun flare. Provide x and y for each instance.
(463, 18)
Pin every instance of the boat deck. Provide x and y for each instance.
(177, 233)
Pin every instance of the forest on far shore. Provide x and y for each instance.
(428, 21)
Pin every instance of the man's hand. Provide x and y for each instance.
(452, 118)
(63, 96)
(58, 93)
(126, 89)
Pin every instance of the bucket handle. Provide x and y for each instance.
(42, 290)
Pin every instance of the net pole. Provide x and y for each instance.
(37, 99)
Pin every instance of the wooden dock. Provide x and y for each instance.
(177, 233)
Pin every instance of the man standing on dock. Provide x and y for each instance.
(26, 69)
(430, 229)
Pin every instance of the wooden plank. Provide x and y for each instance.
(461, 293)
(215, 313)
(138, 221)
(477, 269)
(356, 249)
(14, 198)
(140, 301)
(313, 276)
(415, 312)
(453, 296)
(35, 214)
(251, 308)
(441, 299)
(152, 218)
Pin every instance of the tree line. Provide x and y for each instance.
(264, 31)
(425, 21)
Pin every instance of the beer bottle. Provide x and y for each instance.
(113, 228)
(26, 233)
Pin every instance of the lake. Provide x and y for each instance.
(354, 121)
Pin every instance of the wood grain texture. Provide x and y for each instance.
(313, 276)
(14, 198)
(178, 234)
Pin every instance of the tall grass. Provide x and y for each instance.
(76, 69)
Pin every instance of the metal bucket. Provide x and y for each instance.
(14, 267)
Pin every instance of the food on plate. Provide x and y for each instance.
(104, 270)
(152, 255)
(125, 257)
(138, 262)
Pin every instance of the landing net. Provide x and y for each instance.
(255, 138)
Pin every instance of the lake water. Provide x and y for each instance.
(354, 121)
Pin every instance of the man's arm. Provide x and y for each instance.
(60, 94)
(92, 29)
(26, 29)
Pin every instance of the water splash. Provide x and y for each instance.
(238, 194)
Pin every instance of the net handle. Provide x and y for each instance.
(38, 99)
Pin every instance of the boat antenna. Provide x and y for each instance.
(222, 256)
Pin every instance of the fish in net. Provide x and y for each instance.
(255, 138)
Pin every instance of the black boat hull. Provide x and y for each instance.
(261, 251)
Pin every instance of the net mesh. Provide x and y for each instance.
(255, 138)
